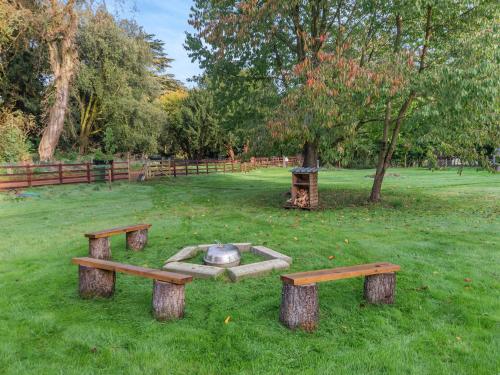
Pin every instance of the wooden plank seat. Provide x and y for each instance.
(299, 297)
(97, 278)
(99, 244)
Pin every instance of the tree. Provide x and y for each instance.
(339, 97)
(62, 23)
(22, 57)
(272, 37)
(242, 105)
(121, 74)
(192, 127)
(408, 44)
(429, 32)
(171, 103)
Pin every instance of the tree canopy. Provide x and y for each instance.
(361, 72)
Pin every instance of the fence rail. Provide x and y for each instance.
(28, 175)
(178, 168)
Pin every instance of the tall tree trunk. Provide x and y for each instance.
(54, 128)
(230, 152)
(381, 164)
(63, 22)
(310, 154)
(387, 147)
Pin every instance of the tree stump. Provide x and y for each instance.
(100, 248)
(168, 300)
(380, 288)
(300, 306)
(94, 282)
(137, 240)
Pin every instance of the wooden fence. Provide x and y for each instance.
(28, 175)
(20, 176)
(178, 168)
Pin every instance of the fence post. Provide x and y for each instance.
(186, 166)
(232, 166)
(112, 168)
(88, 172)
(60, 173)
(224, 164)
(216, 169)
(28, 172)
(206, 163)
(175, 170)
(128, 166)
(197, 167)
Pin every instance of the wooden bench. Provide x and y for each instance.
(99, 245)
(299, 298)
(97, 279)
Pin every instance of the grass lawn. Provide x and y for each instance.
(442, 228)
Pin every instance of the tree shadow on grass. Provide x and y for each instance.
(271, 193)
(337, 198)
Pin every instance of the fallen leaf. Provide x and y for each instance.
(346, 241)
(226, 321)
(423, 287)
(295, 238)
(459, 338)
(331, 257)
(468, 280)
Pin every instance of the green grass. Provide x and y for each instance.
(439, 226)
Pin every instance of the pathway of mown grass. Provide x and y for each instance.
(440, 227)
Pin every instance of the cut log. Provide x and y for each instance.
(168, 300)
(302, 198)
(94, 282)
(380, 288)
(137, 240)
(300, 306)
(100, 248)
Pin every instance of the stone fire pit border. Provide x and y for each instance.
(274, 261)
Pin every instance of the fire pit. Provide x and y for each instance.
(227, 259)
(221, 255)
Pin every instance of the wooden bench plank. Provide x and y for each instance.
(150, 273)
(302, 278)
(118, 230)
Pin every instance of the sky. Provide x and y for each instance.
(168, 20)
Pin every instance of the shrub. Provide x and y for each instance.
(14, 129)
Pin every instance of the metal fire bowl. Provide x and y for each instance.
(222, 256)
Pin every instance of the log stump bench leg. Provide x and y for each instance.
(137, 240)
(100, 248)
(94, 282)
(299, 306)
(380, 288)
(168, 300)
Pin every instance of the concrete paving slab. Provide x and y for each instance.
(256, 269)
(186, 253)
(195, 270)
